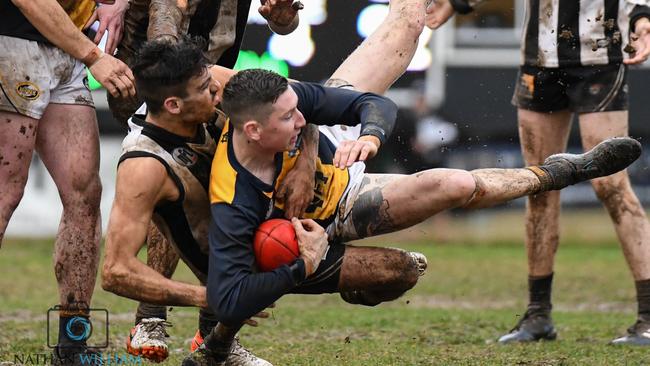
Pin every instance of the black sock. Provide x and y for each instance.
(74, 330)
(539, 292)
(643, 299)
(220, 340)
(207, 321)
(146, 310)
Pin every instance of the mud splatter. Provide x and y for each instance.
(566, 34)
(82, 100)
(23, 130)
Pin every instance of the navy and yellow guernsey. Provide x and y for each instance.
(240, 201)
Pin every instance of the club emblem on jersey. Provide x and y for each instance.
(184, 156)
(28, 90)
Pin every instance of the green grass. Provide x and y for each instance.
(473, 292)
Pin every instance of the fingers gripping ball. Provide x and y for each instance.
(275, 244)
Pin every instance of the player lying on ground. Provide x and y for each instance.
(265, 116)
(163, 175)
(398, 33)
(167, 153)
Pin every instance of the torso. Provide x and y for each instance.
(185, 221)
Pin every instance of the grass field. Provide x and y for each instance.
(474, 290)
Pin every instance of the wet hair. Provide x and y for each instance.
(162, 69)
(250, 93)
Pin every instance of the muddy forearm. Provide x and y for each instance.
(165, 19)
(137, 281)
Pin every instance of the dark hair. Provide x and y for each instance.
(249, 94)
(162, 69)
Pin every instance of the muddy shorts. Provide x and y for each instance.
(582, 89)
(337, 230)
(33, 75)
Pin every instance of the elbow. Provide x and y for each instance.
(112, 273)
(225, 314)
(226, 309)
(391, 106)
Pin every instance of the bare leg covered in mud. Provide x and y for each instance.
(389, 48)
(387, 203)
(370, 276)
(163, 259)
(542, 135)
(17, 140)
(615, 192)
(68, 144)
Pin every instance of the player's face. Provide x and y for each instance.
(283, 126)
(199, 106)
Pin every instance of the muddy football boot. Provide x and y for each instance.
(148, 339)
(238, 356)
(606, 158)
(534, 326)
(637, 335)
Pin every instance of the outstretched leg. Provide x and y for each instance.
(390, 48)
(386, 203)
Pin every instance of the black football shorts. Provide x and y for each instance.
(582, 89)
(326, 278)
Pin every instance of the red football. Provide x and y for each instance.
(275, 244)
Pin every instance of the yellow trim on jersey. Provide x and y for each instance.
(330, 182)
(222, 175)
(79, 11)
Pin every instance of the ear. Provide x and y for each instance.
(173, 105)
(253, 130)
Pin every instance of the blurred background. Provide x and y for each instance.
(454, 102)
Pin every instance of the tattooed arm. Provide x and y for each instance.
(166, 19)
(141, 184)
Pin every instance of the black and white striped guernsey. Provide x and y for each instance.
(565, 33)
(185, 222)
